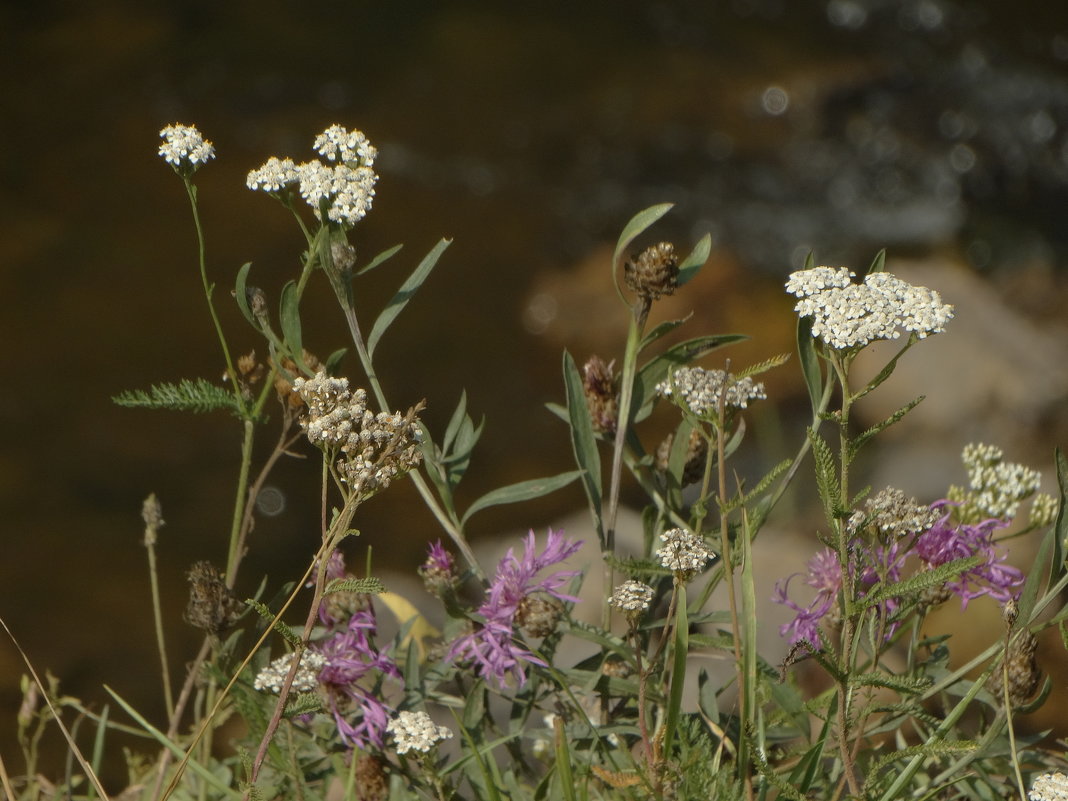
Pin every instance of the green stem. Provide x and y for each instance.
(233, 556)
(451, 526)
(728, 571)
(152, 523)
(841, 368)
(626, 396)
(208, 288)
(1013, 755)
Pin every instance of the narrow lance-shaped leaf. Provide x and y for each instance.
(1061, 526)
(811, 368)
(241, 294)
(381, 258)
(637, 225)
(521, 491)
(457, 418)
(661, 329)
(289, 318)
(1035, 577)
(583, 442)
(695, 261)
(333, 361)
(404, 294)
(878, 264)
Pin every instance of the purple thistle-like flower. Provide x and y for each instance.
(351, 657)
(492, 647)
(350, 679)
(825, 574)
(944, 542)
(437, 558)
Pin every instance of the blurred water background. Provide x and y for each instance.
(528, 134)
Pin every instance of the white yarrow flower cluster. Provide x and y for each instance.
(185, 147)
(385, 446)
(415, 731)
(273, 175)
(337, 143)
(895, 514)
(346, 189)
(847, 315)
(332, 409)
(348, 192)
(1049, 787)
(700, 389)
(374, 448)
(683, 551)
(272, 677)
(632, 596)
(997, 487)
(808, 282)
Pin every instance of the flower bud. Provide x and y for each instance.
(654, 272)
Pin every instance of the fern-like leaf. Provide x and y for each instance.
(860, 440)
(365, 586)
(916, 584)
(826, 475)
(197, 396)
(264, 611)
(764, 366)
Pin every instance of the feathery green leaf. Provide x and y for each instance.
(197, 396)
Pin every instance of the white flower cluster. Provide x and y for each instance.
(333, 410)
(847, 315)
(632, 596)
(347, 188)
(385, 446)
(339, 144)
(1049, 787)
(700, 389)
(997, 486)
(808, 282)
(894, 514)
(375, 448)
(683, 551)
(415, 731)
(273, 175)
(184, 143)
(272, 677)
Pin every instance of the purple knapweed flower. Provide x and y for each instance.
(492, 647)
(946, 541)
(439, 570)
(351, 677)
(825, 574)
(353, 667)
(869, 566)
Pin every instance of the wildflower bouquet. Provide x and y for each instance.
(532, 689)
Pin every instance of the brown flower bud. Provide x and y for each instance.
(344, 255)
(212, 607)
(538, 615)
(1023, 670)
(599, 386)
(696, 455)
(654, 272)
